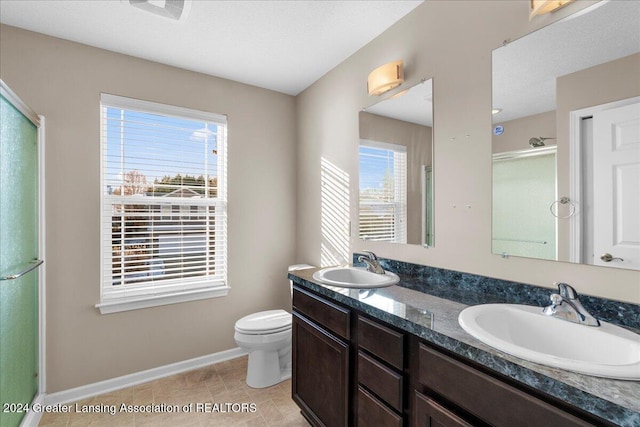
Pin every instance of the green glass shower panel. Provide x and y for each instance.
(523, 190)
(18, 247)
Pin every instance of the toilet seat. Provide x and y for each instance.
(264, 322)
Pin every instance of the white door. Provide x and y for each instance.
(616, 177)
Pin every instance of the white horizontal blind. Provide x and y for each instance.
(383, 192)
(164, 204)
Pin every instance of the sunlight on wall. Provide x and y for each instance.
(334, 199)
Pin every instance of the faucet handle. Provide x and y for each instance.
(371, 255)
(566, 291)
(556, 299)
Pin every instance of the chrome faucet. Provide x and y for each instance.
(373, 265)
(567, 306)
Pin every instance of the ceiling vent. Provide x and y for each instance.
(172, 9)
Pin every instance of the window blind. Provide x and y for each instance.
(383, 191)
(164, 204)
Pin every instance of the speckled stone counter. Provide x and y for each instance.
(431, 313)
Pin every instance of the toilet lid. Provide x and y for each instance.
(270, 321)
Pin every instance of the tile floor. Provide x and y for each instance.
(221, 384)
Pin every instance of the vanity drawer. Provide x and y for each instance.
(383, 381)
(331, 316)
(381, 341)
(489, 399)
(372, 412)
(427, 412)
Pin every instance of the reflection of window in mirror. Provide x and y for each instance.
(402, 123)
(383, 191)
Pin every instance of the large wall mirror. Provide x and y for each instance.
(566, 140)
(396, 161)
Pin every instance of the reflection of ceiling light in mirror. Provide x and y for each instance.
(496, 110)
(399, 94)
(540, 7)
(172, 9)
(385, 78)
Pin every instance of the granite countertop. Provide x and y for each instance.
(435, 319)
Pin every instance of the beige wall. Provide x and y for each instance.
(417, 139)
(517, 132)
(450, 41)
(63, 81)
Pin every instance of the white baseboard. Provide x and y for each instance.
(32, 418)
(102, 387)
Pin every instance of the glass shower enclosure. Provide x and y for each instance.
(19, 258)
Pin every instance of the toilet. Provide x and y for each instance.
(266, 337)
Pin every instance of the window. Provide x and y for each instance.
(383, 191)
(164, 204)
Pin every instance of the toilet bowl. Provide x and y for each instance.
(266, 337)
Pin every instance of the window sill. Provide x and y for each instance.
(135, 303)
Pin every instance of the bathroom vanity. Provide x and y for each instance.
(397, 357)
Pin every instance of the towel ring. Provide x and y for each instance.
(563, 201)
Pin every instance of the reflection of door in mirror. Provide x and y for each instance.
(395, 145)
(541, 88)
(606, 144)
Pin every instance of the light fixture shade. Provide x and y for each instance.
(172, 9)
(540, 7)
(385, 78)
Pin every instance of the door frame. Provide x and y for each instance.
(39, 122)
(575, 169)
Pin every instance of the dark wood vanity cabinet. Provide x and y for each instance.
(347, 369)
(451, 392)
(352, 370)
(380, 376)
(320, 360)
(428, 413)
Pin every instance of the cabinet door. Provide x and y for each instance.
(427, 413)
(320, 374)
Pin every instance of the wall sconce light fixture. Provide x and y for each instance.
(540, 7)
(385, 78)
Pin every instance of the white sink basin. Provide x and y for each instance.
(523, 331)
(354, 277)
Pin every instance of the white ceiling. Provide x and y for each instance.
(525, 71)
(280, 45)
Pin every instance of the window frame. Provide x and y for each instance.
(171, 291)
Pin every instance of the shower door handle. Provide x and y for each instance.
(609, 258)
(32, 266)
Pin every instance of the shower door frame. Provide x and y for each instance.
(32, 417)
